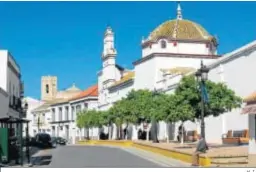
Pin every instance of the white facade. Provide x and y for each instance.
(32, 104)
(63, 123)
(10, 81)
(168, 53)
(234, 70)
(41, 118)
(4, 105)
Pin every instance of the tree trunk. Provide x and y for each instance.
(182, 134)
(148, 129)
(121, 132)
(154, 131)
(91, 133)
(87, 133)
(84, 133)
(99, 130)
(117, 132)
(80, 134)
(109, 131)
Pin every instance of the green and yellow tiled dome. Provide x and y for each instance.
(186, 30)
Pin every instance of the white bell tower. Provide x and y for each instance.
(109, 58)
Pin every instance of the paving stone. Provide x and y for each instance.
(214, 150)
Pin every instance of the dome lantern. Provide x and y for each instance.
(179, 13)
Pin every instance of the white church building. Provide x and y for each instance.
(173, 49)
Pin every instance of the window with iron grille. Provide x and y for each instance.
(66, 113)
(53, 115)
(60, 114)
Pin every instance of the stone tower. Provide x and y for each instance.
(48, 87)
(109, 57)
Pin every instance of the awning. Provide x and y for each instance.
(249, 109)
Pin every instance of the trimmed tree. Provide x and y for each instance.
(221, 98)
(148, 106)
(179, 110)
(141, 102)
(80, 122)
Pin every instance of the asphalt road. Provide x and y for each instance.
(96, 156)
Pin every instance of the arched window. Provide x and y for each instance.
(47, 88)
(163, 44)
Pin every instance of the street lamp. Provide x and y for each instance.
(202, 76)
(25, 109)
(22, 113)
(154, 122)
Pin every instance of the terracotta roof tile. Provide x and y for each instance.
(127, 76)
(250, 98)
(90, 92)
(179, 70)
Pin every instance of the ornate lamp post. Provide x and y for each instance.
(154, 122)
(202, 76)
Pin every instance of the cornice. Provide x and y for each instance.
(179, 55)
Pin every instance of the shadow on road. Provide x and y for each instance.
(41, 160)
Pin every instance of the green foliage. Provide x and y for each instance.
(89, 118)
(79, 120)
(221, 98)
(183, 105)
(178, 110)
(140, 103)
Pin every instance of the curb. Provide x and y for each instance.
(185, 157)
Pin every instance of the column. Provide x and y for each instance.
(252, 143)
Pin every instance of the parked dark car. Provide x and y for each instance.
(61, 141)
(42, 140)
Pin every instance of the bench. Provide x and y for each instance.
(236, 137)
(191, 136)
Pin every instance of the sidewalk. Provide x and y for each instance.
(36, 155)
(217, 155)
(215, 150)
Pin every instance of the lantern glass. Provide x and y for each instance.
(198, 75)
(204, 76)
(204, 73)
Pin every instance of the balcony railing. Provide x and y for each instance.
(15, 103)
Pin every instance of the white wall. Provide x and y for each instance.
(4, 105)
(120, 91)
(237, 74)
(32, 104)
(45, 118)
(3, 69)
(145, 74)
(60, 129)
(180, 48)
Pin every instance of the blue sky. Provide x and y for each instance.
(65, 38)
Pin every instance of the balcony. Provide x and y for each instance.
(15, 103)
